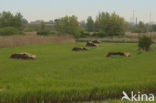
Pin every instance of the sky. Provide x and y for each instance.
(52, 9)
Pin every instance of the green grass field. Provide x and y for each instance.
(115, 101)
(61, 75)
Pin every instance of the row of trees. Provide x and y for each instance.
(108, 24)
(142, 28)
(139, 28)
(7, 19)
(105, 24)
(11, 24)
(112, 24)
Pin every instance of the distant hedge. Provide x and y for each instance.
(45, 32)
(84, 34)
(9, 31)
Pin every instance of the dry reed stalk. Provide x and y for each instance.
(32, 38)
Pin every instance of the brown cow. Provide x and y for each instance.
(79, 49)
(96, 41)
(90, 44)
(118, 53)
(23, 56)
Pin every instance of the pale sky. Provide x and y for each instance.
(51, 9)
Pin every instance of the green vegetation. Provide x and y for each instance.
(84, 34)
(59, 74)
(139, 28)
(99, 34)
(111, 24)
(11, 24)
(90, 24)
(43, 30)
(7, 19)
(68, 25)
(105, 25)
(153, 28)
(9, 31)
(115, 101)
(145, 43)
(31, 28)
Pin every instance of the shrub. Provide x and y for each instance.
(100, 34)
(9, 31)
(43, 32)
(84, 34)
(94, 34)
(145, 43)
(53, 33)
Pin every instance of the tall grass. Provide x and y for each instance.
(33, 38)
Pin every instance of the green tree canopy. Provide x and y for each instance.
(7, 19)
(83, 25)
(139, 28)
(69, 25)
(90, 24)
(42, 25)
(111, 24)
(153, 27)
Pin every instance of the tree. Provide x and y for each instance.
(153, 27)
(118, 25)
(83, 25)
(42, 25)
(90, 24)
(110, 24)
(139, 28)
(7, 19)
(69, 25)
(43, 30)
(24, 21)
(102, 22)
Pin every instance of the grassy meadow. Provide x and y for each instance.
(62, 75)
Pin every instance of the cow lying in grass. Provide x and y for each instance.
(90, 44)
(79, 49)
(118, 53)
(96, 41)
(23, 56)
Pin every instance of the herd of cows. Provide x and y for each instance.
(94, 44)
